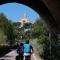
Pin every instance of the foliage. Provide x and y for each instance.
(3, 37)
(21, 31)
(7, 28)
(49, 49)
(41, 33)
(16, 24)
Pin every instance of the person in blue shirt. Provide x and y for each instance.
(28, 49)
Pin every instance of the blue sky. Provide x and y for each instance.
(15, 11)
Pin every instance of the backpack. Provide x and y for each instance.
(27, 48)
(20, 49)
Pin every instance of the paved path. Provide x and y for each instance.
(11, 56)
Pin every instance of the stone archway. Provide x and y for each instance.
(49, 10)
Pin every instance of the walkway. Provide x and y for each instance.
(11, 56)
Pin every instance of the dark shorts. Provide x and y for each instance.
(19, 57)
(28, 57)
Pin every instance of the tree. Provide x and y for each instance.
(48, 42)
(41, 33)
(7, 27)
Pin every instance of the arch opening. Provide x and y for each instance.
(45, 14)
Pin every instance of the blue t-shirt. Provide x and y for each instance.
(27, 48)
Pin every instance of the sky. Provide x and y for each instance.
(15, 12)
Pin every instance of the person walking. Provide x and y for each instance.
(20, 51)
(28, 49)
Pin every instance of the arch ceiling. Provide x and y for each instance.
(48, 9)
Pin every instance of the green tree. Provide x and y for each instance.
(41, 33)
(7, 27)
(47, 46)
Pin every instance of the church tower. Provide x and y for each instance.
(24, 20)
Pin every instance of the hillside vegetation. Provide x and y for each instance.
(6, 30)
